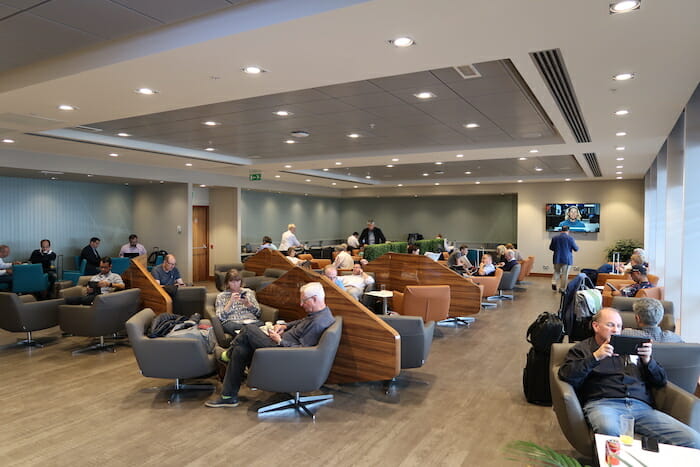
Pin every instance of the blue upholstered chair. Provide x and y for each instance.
(29, 278)
(119, 265)
(75, 275)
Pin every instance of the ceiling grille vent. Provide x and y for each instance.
(551, 66)
(592, 160)
(467, 71)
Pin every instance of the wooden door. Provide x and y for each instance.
(200, 243)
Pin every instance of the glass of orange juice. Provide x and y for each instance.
(626, 429)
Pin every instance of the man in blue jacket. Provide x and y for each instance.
(563, 246)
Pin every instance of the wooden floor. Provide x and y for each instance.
(96, 409)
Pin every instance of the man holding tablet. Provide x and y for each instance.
(609, 383)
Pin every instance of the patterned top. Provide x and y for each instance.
(238, 311)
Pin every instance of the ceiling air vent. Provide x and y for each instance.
(552, 68)
(592, 160)
(467, 71)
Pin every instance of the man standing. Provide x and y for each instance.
(103, 283)
(563, 246)
(91, 256)
(356, 282)
(353, 240)
(609, 385)
(5, 268)
(648, 313)
(372, 235)
(289, 238)
(132, 248)
(305, 332)
(45, 256)
(167, 274)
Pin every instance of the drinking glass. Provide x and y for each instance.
(626, 429)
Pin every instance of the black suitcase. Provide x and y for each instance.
(536, 378)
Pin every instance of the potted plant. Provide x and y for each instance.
(625, 247)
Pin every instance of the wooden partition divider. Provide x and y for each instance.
(370, 349)
(267, 258)
(397, 270)
(152, 294)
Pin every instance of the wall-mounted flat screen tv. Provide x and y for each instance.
(579, 217)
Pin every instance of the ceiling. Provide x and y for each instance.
(329, 64)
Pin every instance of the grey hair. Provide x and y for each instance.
(312, 289)
(649, 310)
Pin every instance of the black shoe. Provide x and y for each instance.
(221, 402)
(554, 287)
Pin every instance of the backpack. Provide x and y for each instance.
(546, 330)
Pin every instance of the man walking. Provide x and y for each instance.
(563, 246)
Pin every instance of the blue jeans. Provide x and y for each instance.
(604, 417)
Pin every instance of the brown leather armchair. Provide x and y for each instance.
(653, 292)
(316, 263)
(525, 268)
(490, 284)
(430, 302)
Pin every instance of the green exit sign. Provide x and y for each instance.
(255, 177)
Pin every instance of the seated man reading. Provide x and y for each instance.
(609, 385)
(103, 283)
(638, 274)
(305, 332)
(167, 275)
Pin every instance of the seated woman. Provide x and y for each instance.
(236, 306)
(500, 258)
(637, 259)
(486, 267)
(572, 219)
(266, 243)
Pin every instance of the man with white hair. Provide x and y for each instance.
(648, 313)
(510, 261)
(305, 332)
(343, 260)
(289, 238)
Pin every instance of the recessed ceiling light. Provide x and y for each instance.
(252, 70)
(113, 154)
(368, 177)
(619, 178)
(621, 133)
(619, 172)
(520, 181)
(390, 165)
(620, 148)
(522, 158)
(567, 179)
(468, 172)
(622, 112)
(438, 163)
(539, 169)
(534, 151)
(395, 159)
(8, 140)
(354, 186)
(460, 155)
(146, 91)
(624, 6)
(353, 135)
(126, 183)
(402, 42)
(471, 125)
(400, 184)
(477, 183)
(307, 180)
(188, 164)
(89, 175)
(334, 184)
(53, 178)
(437, 183)
(623, 76)
(66, 107)
(283, 113)
(425, 175)
(290, 141)
(209, 149)
(424, 95)
(326, 170)
(277, 176)
(162, 181)
(619, 166)
(620, 159)
(338, 163)
(211, 123)
(124, 135)
(287, 166)
(202, 186)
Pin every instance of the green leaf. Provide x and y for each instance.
(526, 451)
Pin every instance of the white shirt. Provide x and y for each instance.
(353, 242)
(343, 260)
(288, 240)
(111, 277)
(4, 266)
(359, 282)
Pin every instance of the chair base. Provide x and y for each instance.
(488, 305)
(457, 321)
(500, 297)
(29, 341)
(180, 388)
(296, 402)
(101, 346)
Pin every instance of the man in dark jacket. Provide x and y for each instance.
(305, 332)
(563, 246)
(372, 235)
(609, 385)
(92, 257)
(45, 256)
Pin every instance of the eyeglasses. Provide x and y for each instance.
(304, 300)
(172, 264)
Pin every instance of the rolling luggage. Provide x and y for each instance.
(546, 330)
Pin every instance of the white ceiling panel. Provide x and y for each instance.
(169, 11)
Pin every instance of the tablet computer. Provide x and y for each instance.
(627, 345)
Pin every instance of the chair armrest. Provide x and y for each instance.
(268, 313)
(679, 404)
(43, 314)
(222, 338)
(75, 291)
(569, 413)
(27, 298)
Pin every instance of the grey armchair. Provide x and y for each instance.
(625, 304)
(189, 300)
(294, 370)
(416, 338)
(671, 399)
(267, 313)
(27, 315)
(681, 362)
(220, 271)
(508, 281)
(106, 316)
(258, 282)
(175, 358)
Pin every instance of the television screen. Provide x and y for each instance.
(580, 217)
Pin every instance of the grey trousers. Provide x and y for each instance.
(561, 275)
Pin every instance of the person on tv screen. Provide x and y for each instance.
(573, 219)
